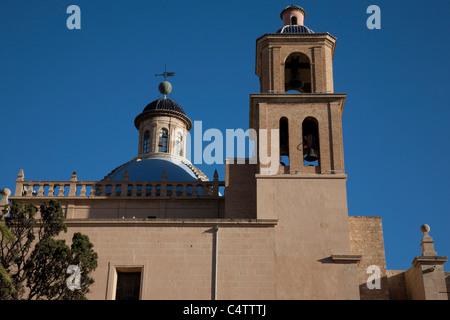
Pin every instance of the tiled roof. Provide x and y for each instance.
(295, 29)
(164, 104)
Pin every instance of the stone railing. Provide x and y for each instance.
(124, 188)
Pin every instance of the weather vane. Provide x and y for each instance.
(165, 74)
(165, 87)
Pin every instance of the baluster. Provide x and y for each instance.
(61, 190)
(83, 190)
(41, 190)
(28, 190)
(93, 190)
(144, 190)
(51, 190)
(119, 189)
(139, 191)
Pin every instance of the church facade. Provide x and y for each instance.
(163, 230)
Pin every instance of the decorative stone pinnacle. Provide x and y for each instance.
(427, 243)
(74, 176)
(20, 176)
(125, 175)
(4, 196)
(164, 176)
(216, 175)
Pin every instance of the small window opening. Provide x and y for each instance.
(284, 142)
(163, 139)
(146, 147)
(294, 20)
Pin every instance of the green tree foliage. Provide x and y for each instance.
(36, 261)
(7, 236)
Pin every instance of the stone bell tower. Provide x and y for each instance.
(307, 190)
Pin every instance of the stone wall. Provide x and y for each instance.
(366, 239)
(396, 284)
(447, 283)
(177, 258)
(240, 183)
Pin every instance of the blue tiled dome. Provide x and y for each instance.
(151, 169)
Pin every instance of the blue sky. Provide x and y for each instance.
(68, 98)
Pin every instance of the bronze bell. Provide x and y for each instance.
(311, 155)
(295, 84)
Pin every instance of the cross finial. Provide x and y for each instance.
(165, 87)
(165, 74)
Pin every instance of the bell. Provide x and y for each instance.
(295, 84)
(311, 155)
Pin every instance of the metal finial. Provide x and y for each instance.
(165, 74)
(165, 87)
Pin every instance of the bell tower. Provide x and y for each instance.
(295, 69)
(306, 189)
(283, 63)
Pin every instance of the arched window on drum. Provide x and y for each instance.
(163, 140)
(146, 145)
(178, 144)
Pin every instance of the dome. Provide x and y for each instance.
(292, 7)
(151, 169)
(164, 104)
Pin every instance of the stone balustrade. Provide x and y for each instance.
(124, 188)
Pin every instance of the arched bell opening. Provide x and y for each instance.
(297, 73)
(311, 147)
(294, 21)
(284, 142)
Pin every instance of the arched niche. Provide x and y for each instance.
(311, 146)
(297, 73)
(284, 141)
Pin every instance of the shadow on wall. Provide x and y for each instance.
(376, 293)
(397, 286)
(447, 282)
(214, 231)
